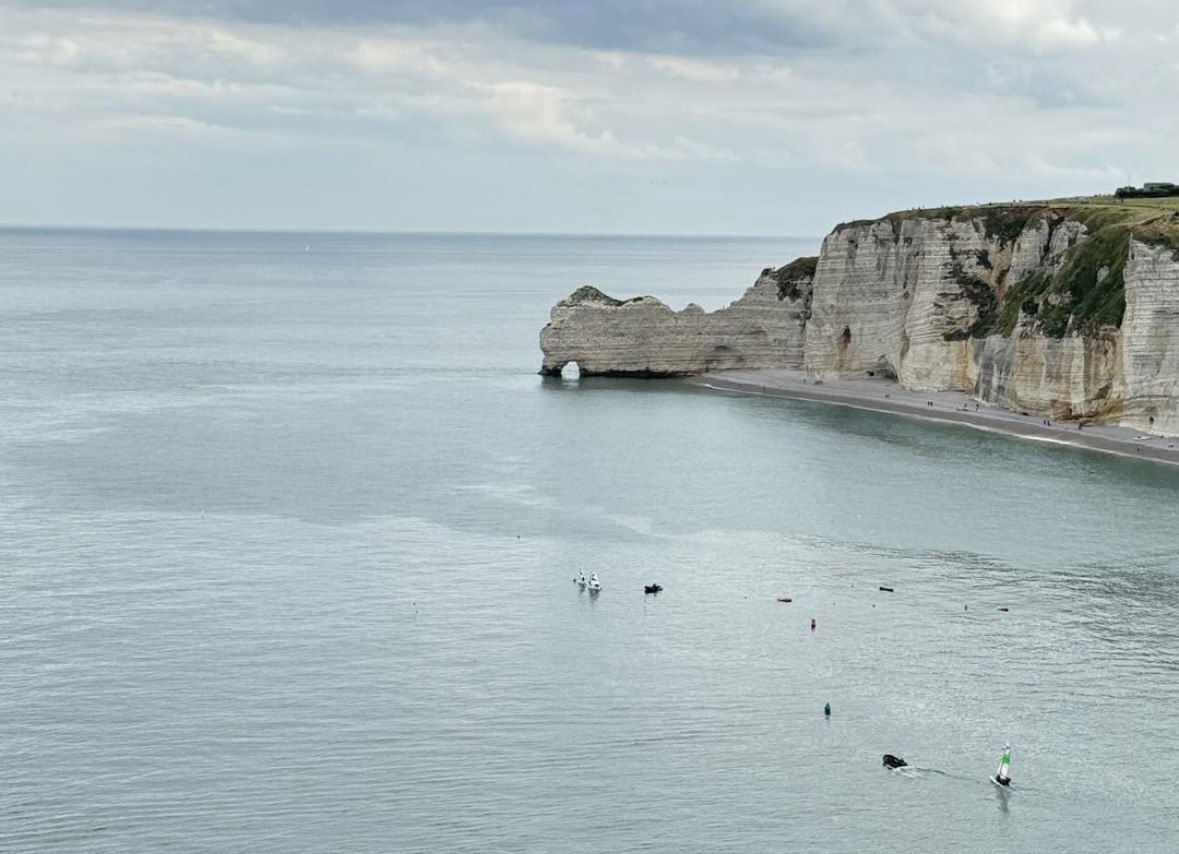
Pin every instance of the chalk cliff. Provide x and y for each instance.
(1068, 309)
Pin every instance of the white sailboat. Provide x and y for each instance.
(594, 585)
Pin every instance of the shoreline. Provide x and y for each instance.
(887, 396)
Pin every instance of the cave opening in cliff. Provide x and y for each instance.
(846, 338)
(571, 371)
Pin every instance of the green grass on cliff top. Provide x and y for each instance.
(1154, 221)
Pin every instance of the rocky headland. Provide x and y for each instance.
(1066, 309)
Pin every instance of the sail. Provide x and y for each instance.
(1004, 772)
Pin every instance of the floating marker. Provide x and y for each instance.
(812, 624)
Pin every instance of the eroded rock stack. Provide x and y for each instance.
(642, 337)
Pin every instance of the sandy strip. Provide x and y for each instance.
(879, 395)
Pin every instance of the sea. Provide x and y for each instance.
(288, 537)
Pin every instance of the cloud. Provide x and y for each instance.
(987, 91)
(696, 70)
(162, 124)
(398, 56)
(1039, 25)
(547, 114)
(663, 25)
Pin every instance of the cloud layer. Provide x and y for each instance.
(863, 98)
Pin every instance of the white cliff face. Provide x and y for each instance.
(1072, 378)
(644, 338)
(863, 285)
(1150, 340)
(1017, 306)
(900, 299)
(906, 298)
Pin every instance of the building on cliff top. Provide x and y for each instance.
(1151, 189)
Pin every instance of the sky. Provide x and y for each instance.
(774, 117)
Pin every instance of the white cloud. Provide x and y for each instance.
(167, 125)
(44, 49)
(538, 113)
(696, 70)
(1040, 24)
(982, 91)
(398, 56)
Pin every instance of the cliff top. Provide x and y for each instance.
(1152, 220)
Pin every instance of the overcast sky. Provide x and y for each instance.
(643, 116)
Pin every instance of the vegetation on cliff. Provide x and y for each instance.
(1085, 293)
(793, 277)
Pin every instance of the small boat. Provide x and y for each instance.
(1003, 775)
(652, 588)
(785, 599)
(580, 580)
(890, 761)
(593, 585)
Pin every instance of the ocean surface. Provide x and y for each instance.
(287, 537)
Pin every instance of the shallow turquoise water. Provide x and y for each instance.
(287, 542)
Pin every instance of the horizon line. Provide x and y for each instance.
(179, 229)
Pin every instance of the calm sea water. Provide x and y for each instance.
(286, 547)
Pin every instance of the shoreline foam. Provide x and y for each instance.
(887, 396)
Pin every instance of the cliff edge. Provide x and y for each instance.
(1067, 308)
